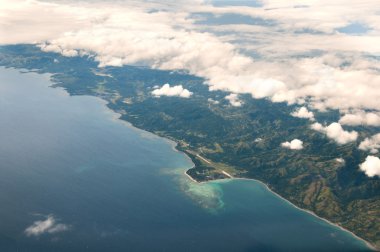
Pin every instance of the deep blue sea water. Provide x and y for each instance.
(75, 178)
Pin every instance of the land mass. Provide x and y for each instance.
(225, 141)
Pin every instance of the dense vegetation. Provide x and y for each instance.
(243, 141)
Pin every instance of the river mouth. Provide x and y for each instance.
(89, 181)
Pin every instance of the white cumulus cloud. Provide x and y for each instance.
(234, 100)
(336, 132)
(361, 118)
(303, 112)
(371, 166)
(371, 144)
(295, 144)
(49, 225)
(258, 140)
(167, 90)
(212, 101)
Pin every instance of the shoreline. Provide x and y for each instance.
(368, 244)
(174, 144)
(230, 177)
(117, 116)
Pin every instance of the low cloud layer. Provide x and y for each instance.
(167, 90)
(301, 56)
(49, 225)
(371, 166)
(295, 144)
(336, 132)
(287, 57)
(371, 144)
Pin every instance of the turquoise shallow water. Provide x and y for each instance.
(74, 178)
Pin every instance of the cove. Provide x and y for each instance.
(107, 186)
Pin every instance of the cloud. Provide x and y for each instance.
(295, 144)
(167, 90)
(340, 160)
(303, 112)
(371, 166)
(258, 140)
(361, 118)
(336, 132)
(234, 100)
(212, 101)
(371, 144)
(49, 225)
(289, 57)
(36, 21)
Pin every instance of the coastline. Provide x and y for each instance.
(175, 145)
(117, 116)
(368, 244)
